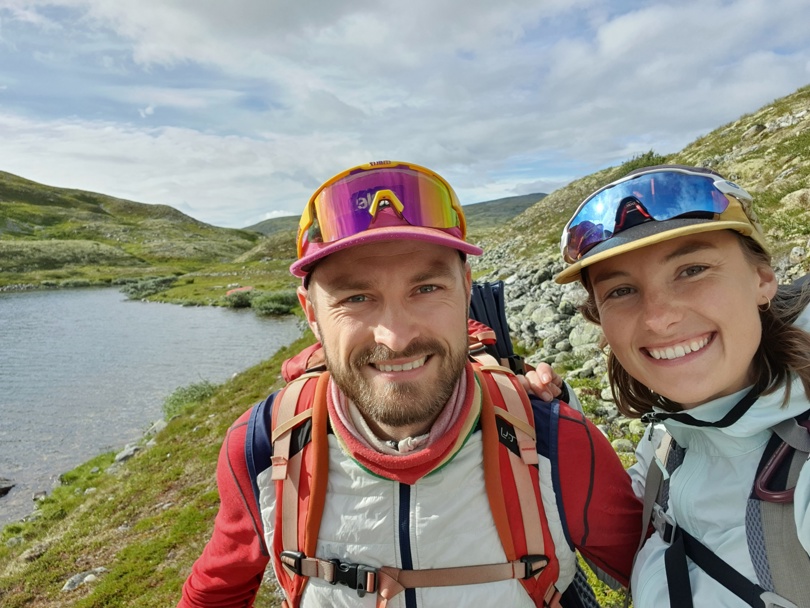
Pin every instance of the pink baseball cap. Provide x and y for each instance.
(380, 201)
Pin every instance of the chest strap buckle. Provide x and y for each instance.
(664, 524)
(358, 577)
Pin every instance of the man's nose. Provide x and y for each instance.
(395, 328)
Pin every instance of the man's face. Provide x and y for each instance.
(392, 318)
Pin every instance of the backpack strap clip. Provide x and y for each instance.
(292, 560)
(665, 525)
(357, 577)
(534, 565)
(772, 600)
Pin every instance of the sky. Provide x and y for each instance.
(235, 112)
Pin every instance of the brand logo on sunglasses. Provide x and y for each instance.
(362, 200)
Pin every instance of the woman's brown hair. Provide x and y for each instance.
(783, 350)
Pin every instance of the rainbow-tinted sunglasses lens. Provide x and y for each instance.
(348, 203)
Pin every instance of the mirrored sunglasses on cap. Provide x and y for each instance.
(662, 193)
(346, 204)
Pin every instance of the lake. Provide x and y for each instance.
(86, 371)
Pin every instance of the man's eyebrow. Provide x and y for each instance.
(437, 270)
(349, 281)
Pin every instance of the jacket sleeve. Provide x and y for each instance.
(231, 567)
(602, 514)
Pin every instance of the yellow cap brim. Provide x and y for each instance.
(631, 239)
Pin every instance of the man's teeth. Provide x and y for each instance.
(401, 368)
(674, 352)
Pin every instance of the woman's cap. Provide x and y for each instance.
(652, 205)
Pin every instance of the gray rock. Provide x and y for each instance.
(81, 578)
(563, 346)
(543, 314)
(636, 426)
(34, 553)
(158, 426)
(797, 254)
(127, 453)
(623, 446)
(753, 130)
(5, 485)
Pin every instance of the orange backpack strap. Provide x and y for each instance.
(299, 470)
(512, 479)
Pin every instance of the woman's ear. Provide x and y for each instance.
(768, 284)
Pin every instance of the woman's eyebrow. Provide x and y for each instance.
(688, 248)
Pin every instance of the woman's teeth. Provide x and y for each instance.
(674, 352)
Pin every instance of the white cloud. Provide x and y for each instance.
(252, 103)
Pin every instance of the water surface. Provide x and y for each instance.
(86, 371)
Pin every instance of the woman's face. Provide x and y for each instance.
(681, 316)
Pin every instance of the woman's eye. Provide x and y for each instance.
(693, 270)
(619, 292)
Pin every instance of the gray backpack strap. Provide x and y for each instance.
(781, 563)
(656, 483)
(795, 434)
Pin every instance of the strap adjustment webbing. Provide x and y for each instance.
(389, 582)
(680, 588)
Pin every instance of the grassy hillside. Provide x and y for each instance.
(767, 152)
(483, 218)
(50, 234)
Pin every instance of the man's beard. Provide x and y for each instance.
(399, 404)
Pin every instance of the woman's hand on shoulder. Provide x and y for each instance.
(542, 382)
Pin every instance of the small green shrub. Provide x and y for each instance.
(648, 159)
(239, 299)
(282, 302)
(185, 397)
(147, 287)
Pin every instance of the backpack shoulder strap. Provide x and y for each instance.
(781, 563)
(512, 478)
(300, 465)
